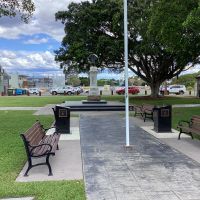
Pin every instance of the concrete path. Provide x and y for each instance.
(20, 108)
(150, 171)
(186, 105)
(46, 110)
(189, 147)
(186, 145)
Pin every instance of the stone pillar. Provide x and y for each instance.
(94, 91)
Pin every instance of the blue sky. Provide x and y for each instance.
(36, 42)
(29, 48)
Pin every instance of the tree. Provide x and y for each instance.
(11, 8)
(136, 81)
(188, 80)
(85, 81)
(159, 43)
(73, 80)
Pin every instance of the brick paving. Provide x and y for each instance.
(150, 171)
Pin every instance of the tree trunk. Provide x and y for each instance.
(155, 90)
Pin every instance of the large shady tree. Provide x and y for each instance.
(161, 40)
(11, 8)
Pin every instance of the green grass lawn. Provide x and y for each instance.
(183, 114)
(13, 158)
(39, 101)
(164, 100)
(36, 101)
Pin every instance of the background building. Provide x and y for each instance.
(43, 82)
(18, 81)
(4, 81)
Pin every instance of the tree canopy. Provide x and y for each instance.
(188, 80)
(163, 36)
(11, 8)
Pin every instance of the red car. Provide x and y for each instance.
(131, 90)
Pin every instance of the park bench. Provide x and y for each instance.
(189, 127)
(38, 144)
(145, 110)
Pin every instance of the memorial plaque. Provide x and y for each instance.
(164, 112)
(131, 108)
(63, 113)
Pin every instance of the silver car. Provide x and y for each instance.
(69, 90)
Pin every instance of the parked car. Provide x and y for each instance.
(69, 90)
(33, 91)
(131, 90)
(174, 89)
(78, 90)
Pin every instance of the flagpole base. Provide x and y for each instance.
(128, 148)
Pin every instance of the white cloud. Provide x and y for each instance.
(43, 21)
(36, 41)
(39, 63)
(192, 70)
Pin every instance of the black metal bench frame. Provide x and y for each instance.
(30, 150)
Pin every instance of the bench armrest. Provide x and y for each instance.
(148, 109)
(55, 133)
(40, 145)
(46, 129)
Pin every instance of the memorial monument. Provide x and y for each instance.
(94, 96)
(94, 91)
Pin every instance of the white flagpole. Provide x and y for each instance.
(126, 70)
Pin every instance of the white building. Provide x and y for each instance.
(58, 81)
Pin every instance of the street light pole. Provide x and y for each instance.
(126, 70)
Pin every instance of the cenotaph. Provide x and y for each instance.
(94, 91)
(94, 96)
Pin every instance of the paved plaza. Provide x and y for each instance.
(150, 171)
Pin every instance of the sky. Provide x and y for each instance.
(29, 48)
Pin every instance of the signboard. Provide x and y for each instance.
(63, 113)
(131, 108)
(164, 113)
(106, 87)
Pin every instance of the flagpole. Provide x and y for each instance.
(126, 70)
